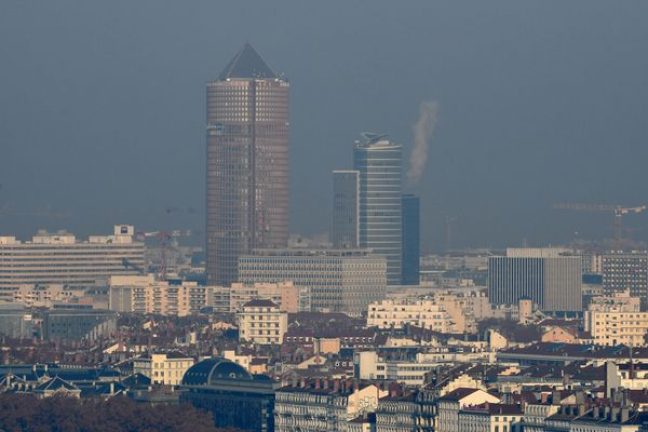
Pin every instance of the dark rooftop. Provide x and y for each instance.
(247, 64)
(260, 303)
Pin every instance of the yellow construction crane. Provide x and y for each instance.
(617, 210)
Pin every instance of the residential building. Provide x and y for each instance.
(618, 301)
(396, 314)
(489, 417)
(45, 295)
(398, 412)
(145, 295)
(286, 295)
(339, 280)
(324, 404)
(247, 163)
(617, 328)
(410, 205)
(345, 231)
(262, 322)
(163, 368)
(412, 372)
(451, 405)
(77, 323)
(549, 278)
(625, 374)
(379, 162)
(60, 259)
(626, 271)
(235, 398)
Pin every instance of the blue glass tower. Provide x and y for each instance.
(411, 247)
(379, 162)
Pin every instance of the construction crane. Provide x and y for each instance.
(617, 210)
(165, 239)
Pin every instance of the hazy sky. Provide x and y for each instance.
(102, 107)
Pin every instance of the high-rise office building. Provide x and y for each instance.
(545, 275)
(247, 163)
(626, 271)
(410, 205)
(346, 208)
(379, 162)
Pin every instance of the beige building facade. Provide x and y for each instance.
(145, 295)
(262, 322)
(396, 314)
(166, 368)
(286, 295)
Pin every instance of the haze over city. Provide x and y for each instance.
(102, 109)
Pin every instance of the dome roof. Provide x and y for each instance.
(206, 371)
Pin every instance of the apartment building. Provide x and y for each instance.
(262, 322)
(369, 365)
(61, 259)
(45, 295)
(163, 368)
(145, 295)
(451, 405)
(286, 295)
(324, 404)
(397, 314)
(615, 320)
(489, 417)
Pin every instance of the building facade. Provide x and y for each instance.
(552, 280)
(379, 162)
(75, 323)
(339, 280)
(410, 205)
(324, 404)
(626, 271)
(397, 314)
(247, 163)
(286, 295)
(163, 368)
(345, 231)
(60, 259)
(145, 295)
(262, 322)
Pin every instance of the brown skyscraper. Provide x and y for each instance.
(247, 163)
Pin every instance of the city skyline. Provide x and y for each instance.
(507, 115)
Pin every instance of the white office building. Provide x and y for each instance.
(61, 259)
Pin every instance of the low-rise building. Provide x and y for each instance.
(75, 323)
(451, 405)
(488, 417)
(262, 322)
(163, 368)
(369, 365)
(16, 321)
(386, 314)
(324, 405)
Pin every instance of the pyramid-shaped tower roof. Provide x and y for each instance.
(247, 64)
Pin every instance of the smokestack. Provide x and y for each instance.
(423, 130)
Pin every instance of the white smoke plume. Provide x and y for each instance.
(423, 131)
